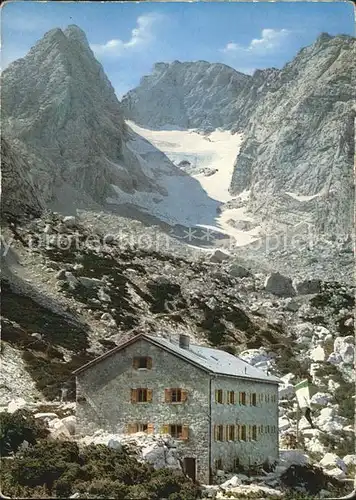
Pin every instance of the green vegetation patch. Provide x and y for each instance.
(59, 469)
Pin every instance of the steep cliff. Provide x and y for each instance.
(18, 194)
(297, 155)
(185, 95)
(58, 102)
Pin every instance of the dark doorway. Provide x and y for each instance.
(189, 467)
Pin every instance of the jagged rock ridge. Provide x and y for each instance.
(62, 110)
(185, 95)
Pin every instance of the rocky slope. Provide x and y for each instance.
(19, 196)
(62, 112)
(185, 95)
(72, 287)
(297, 154)
(199, 94)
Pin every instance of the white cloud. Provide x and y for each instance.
(141, 36)
(270, 41)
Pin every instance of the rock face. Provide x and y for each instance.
(19, 196)
(280, 285)
(185, 95)
(297, 155)
(62, 110)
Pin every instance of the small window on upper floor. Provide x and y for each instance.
(242, 398)
(142, 362)
(254, 433)
(230, 432)
(219, 432)
(231, 397)
(175, 395)
(141, 395)
(253, 399)
(219, 396)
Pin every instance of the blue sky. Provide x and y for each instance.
(129, 37)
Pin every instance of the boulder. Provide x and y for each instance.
(284, 424)
(69, 221)
(232, 482)
(250, 491)
(292, 457)
(108, 319)
(103, 296)
(70, 422)
(36, 335)
(286, 391)
(160, 456)
(336, 473)
(329, 421)
(279, 285)
(303, 330)
(46, 416)
(219, 256)
(61, 275)
(291, 304)
(349, 460)
(321, 398)
(71, 279)
(90, 282)
(239, 271)
(334, 358)
(331, 460)
(344, 347)
(307, 287)
(317, 354)
(16, 404)
(58, 430)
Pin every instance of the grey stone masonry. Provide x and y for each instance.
(106, 387)
(117, 395)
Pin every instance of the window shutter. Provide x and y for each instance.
(233, 397)
(135, 363)
(133, 395)
(185, 432)
(150, 428)
(215, 432)
(149, 395)
(227, 432)
(131, 428)
(149, 363)
(165, 429)
(167, 396)
(216, 395)
(184, 394)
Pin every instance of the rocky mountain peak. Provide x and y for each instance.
(60, 106)
(185, 95)
(73, 32)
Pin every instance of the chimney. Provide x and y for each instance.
(184, 341)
